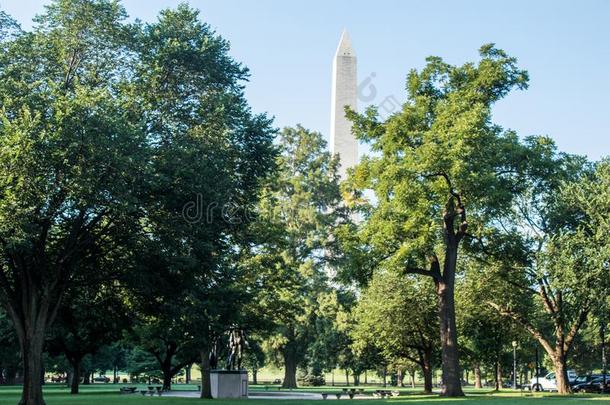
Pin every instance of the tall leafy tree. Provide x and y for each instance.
(441, 171)
(486, 336)
(298, 208)
(71, 158)
(209, 155)
(111, 131)
(565, 225)
(397, 316)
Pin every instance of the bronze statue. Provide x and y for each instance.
(214, 355)
(237, 342)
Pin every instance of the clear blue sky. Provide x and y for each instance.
(288, 46)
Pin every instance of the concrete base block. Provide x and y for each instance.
(229, 384)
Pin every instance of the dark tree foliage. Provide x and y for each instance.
(117, 138)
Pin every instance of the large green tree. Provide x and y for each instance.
(565, 226)
(209, 155)
(441, 171)
(112, 134)
(396, 314)
(71, 158)
(486, 337)
(297, 211)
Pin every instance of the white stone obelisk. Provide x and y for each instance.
(344, 93)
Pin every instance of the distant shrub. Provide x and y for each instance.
(312, 380)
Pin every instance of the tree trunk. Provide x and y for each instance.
(74, 385)
(290, 367)
(412, 375)
(346, 377)
(425, 363)
(254, 376)
(385, 376)
(498, 376)
(187, 374)
(477, 376)
(426, 369)
(366, 379)
(452, 386)
(31, 347)
(561, 375)
(206, 387)
(167, 378)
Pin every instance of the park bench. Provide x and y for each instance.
(128, 390)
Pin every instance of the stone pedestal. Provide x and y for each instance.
(229, 384)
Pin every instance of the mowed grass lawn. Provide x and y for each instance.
(108, 394)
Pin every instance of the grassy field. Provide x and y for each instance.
(108, 394)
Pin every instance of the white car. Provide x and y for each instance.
(548, 382)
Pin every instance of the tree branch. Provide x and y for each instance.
(434, 271)
(461, 210)
(526, 325)
(582, 317)
(547, 299)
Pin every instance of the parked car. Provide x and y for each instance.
(594, 384)
(58, 378)
(584, 379)
(548, 382)
(101, 379)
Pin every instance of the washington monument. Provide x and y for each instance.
(344, 92)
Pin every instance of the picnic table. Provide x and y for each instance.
(350, 392)
(326, 394)
(152, 390)
(128, 390)
(385, 393)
